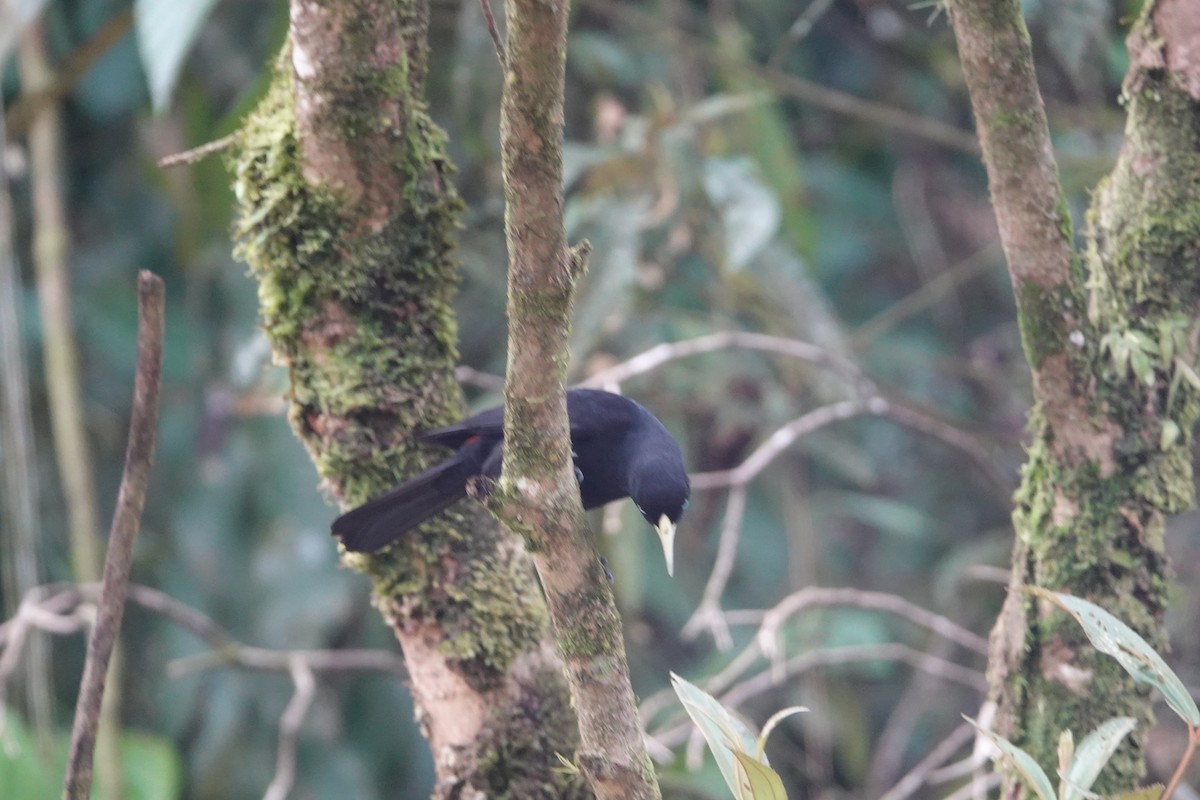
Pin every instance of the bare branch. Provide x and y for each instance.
(289, 729)
(919, 775)
(490, 18)
(126, 521)
(200, 152)
(782, 439)
(658, 355)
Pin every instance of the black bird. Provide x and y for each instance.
(620, 450)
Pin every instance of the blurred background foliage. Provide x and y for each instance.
(736, 165)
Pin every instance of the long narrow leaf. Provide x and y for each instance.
(724, 733)
(1093, 753)
(1033, 775)
(757, 781)
(166, 30)
(1109, 635)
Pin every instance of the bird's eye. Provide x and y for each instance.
(686, 500)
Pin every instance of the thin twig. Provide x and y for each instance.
(837, 656)
(200, 152)
(815, 596)
(289, 729)
(1184, 762)
(779, 441)
(131, 497)
(494, 33)
(989, 781)
(917, 777)
(57, 608)
(658, 355)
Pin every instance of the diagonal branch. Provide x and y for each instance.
(127, 519)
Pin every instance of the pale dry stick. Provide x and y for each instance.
(490, 19)
(64, 612)
(773, 620)
(809, 598)
(784, 437)
(958, 769)
(55, 608)
(126, 521)
(653, 358)
(708, 613)
(988, 782)
(838, 656)
(199, 152)
(289, 730)
(920, 774)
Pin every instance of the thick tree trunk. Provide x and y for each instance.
(1111, 338)
(346, 222)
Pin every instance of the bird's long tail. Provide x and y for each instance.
(381, 521)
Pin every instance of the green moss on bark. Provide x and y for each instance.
(363, 321)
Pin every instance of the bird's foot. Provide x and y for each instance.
(480, 487)
(607, 572)
(578, 471)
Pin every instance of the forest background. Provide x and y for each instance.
(803, 173)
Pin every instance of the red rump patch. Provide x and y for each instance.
(474, 437)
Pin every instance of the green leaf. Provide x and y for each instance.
(1189, 374)
(1109, 635)
(724, 733)
(757, 781)
(166, 30)
(1093, 753)
(1145, 793)
(1170, 434)
(1033, 775)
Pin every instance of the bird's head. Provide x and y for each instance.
(661, 496)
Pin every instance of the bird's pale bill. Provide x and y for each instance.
(666, 534)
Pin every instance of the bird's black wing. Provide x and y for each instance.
(381, 521)
(594, 413)
(488, 423)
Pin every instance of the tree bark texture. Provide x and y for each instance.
(1111, 335)
(538, 494)
(346, 221)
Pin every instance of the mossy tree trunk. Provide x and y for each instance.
(346, 216)
(1111, 335)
